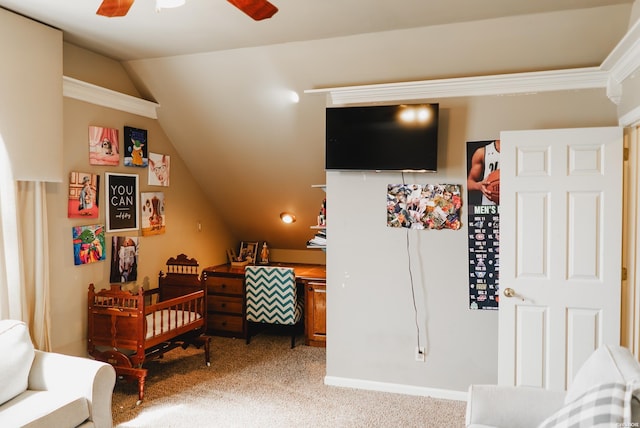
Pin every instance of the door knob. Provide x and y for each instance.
(509, 292)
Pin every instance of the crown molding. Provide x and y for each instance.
(83, 91)
(501, 84)
(622, 62)
(624, 59)
(631, 118)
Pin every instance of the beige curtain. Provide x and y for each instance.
(12, 301)
(32, 222)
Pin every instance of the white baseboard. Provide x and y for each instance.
(396, 388)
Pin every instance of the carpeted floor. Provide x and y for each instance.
(265, 384)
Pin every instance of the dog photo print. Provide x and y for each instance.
(104, 146)
(153, 219)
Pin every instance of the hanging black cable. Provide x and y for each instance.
(413, 293)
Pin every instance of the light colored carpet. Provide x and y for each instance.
(265, 384)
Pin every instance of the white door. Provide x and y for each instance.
(560, 251)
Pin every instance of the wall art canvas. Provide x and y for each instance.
(153, 218)
(88, 244)
(104, 146)
(121, 197)
(159, 169)
(424, 206)
(135, 147)
(124, 259)
(83, 195)
(483, 188)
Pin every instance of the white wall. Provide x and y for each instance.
(371, 331)
(31, 97)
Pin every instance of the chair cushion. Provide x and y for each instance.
(604, 405)
(607, 364)
(46, 409)
(17, 354)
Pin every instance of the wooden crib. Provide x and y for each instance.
(127, 329)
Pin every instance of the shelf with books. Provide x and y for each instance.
(319, 240)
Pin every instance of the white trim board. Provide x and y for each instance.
(501, 84)
(83, 91)
(395, 388)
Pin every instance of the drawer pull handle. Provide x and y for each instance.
(224, 305)
(224, 285)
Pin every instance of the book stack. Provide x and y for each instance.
(319, 240)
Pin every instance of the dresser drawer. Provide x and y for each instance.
(228, 304)
(221, 284)
(226, 323)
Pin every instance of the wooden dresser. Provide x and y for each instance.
(226, 300)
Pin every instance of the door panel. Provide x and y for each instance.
(530, 354)
(532, 235)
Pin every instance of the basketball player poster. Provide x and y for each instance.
(483, 196)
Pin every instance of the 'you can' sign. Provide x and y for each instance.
(123, 210)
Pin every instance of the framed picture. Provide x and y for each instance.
(88, 244)
(153, 218)
(124, 259)
(104, 146)
(249, 251)
(135, 147)
(231, 255)
(122, 202)
(159, 169)
(83, 195)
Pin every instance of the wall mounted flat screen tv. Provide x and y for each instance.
(382, 138)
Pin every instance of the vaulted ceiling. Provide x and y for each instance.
(224, 81)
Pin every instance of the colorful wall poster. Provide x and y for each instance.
(135, 147)
(159, 169)
(153, 218)
(483, 188)
(88, 244)
(83, 195)
(121, 194)
(124, 259)
(104, 146)
(428, 206)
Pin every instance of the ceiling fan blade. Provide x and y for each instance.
(111, 8)
(257, 9)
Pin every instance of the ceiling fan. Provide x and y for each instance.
(256, 9)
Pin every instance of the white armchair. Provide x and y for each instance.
(46, 389)
(609, 367)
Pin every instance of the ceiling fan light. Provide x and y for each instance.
(168, 4)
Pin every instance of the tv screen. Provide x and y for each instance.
(382, 138)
